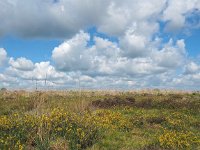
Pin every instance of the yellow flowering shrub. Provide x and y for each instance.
(172, 139)
(111, 120)
(79, 130)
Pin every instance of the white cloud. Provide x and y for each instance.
(3, 57)
(106, 58)
(191, 68)
(44, 69)
(40, 71)
(191, 81)
(116, 21)
(21, 64)
(175, 13)
(66, 17)
(15, 78)
(140, 58)
(104, 47)
(122, 14)
(139, 39)
(171, 56)
(71, 54)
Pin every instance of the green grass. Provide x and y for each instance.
(96, 120)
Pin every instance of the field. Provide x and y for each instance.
(99, 120)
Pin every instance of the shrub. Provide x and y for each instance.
(172, 139)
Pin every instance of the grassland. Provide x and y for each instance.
(100, 120)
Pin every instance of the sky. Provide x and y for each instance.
(100, 44)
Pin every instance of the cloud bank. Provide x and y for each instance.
(64, 18)
(141, 56)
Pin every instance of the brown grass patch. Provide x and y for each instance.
(114, 101)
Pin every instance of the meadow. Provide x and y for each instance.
(99, 120)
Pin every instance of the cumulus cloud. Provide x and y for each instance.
(176, 13)
(21, 64)
(137, 37)
(8, 81)
(66, 17)
(122, 14)
(43, 73)
(3, 57)
(40, 71)
(71, 54)
(191, 68)
(140, 57)
(171, 56)
(106, 58)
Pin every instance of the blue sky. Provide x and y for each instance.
(112, 44)
(35, 49)
(192, 43)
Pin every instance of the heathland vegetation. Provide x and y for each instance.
(96, 120)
